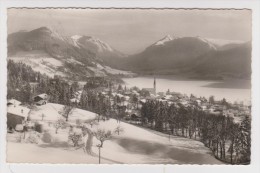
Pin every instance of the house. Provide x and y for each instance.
(161, 94)
(13, 102)
(54, 80)
(75, 100)
(41, 99)
(16, 114)
(134, 117)
(150, 90)
(204, 108)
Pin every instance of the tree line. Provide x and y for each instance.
(20, 79)
(229, 141)
(105, 106)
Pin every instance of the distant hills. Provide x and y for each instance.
(227, 61)
(79, 56)
(193, 56)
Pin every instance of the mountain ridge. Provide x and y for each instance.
(87, 55)
(186, 55)
(38, 46)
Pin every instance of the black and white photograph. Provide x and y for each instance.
(129, 86)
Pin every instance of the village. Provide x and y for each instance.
(42, 121)
(132, 99)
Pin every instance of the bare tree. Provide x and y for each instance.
(75, 138)
(102, 136)
(118, 130)
(67, 111)
(60, 123)
(91, 122)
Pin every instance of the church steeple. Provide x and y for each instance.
(154, 86)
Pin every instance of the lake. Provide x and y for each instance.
(231, 89)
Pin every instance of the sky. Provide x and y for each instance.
(132, 30)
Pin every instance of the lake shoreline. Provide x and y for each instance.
(231, 89)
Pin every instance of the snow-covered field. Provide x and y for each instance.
(42, 62)
(115, 71)
(39, 61)
(51, 113)
(102, 70)
(134, 145)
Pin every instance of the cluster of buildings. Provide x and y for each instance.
(131, 100)
(17, 113)
(237, 111)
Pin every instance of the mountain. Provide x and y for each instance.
(94, 45)
(233, 61)
(52, 53)
(102, 50)
(162, 41)
(195, 56)
(169, 53)
(219, 43)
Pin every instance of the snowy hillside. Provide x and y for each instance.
(39, 61)
(51, 113)
(101, 46)
(103, 70)
(50, 52)
(127, 147)
(212, 46)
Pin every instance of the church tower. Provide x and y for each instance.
(154, 86)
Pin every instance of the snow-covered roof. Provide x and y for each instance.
(120, 95)
(128, 110)
(41, 102)
(136, 93)
(168, 97)
(127, 97)
(79, 92)
(18, 110)
(74, 100)
(44, 95)
(14, 102)
(143, 100)
(169, 102)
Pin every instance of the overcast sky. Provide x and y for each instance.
(130, 31)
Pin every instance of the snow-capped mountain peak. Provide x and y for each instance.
(211, 45)
(75, 39)
(52, 32)
(89, 41)
(164, 40)
(102, 46)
